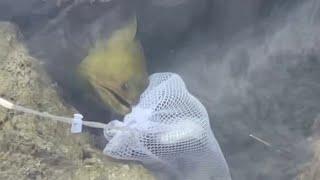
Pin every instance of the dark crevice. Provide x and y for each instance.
(5, 120)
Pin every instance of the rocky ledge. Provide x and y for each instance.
(37, 148)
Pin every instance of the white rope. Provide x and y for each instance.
(9, 105)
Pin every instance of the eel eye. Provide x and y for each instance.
(125, 86)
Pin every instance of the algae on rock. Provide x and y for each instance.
(35, 148)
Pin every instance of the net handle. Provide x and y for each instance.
(9, 105)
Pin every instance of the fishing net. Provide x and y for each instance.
(169, 128)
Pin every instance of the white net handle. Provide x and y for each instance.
(107, 127)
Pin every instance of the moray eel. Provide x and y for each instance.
(116, 69)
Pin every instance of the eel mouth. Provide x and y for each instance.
(118, 97)
(116, 101)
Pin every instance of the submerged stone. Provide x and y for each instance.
(37, 148)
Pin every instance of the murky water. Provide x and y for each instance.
(254, 64)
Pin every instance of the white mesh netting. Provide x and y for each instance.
(169, 128)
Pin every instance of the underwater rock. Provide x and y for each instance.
(37, 148)
(311, 171)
